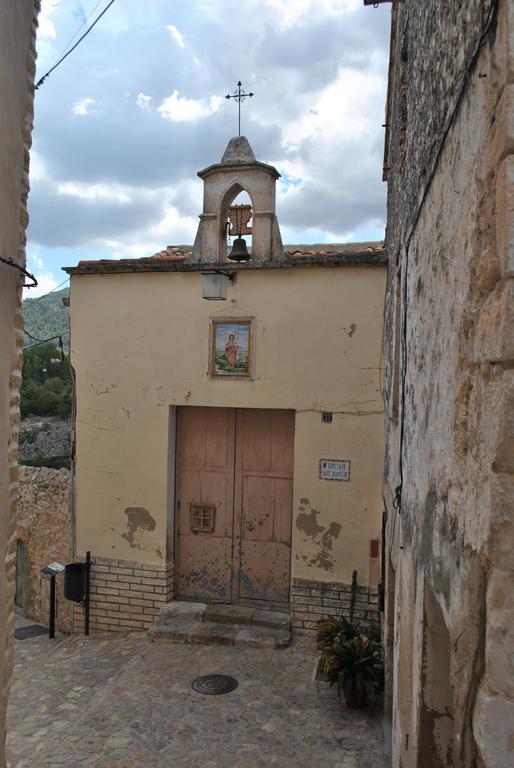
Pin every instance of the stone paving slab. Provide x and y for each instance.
(120, 701)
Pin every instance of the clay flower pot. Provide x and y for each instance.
(355, 700)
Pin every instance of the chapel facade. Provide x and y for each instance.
(228, 431)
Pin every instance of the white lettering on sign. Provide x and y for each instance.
(334, 469)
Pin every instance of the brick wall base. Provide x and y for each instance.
(310, 600)
(125, 595)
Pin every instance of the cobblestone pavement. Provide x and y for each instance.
(120, 701)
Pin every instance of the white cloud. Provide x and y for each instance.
(37, 166)
(291, 12)
(177, 36)
(46, 282)
(101, 192)
(342, 112)
(178, 109)
(46, 27)
(83, 106)
(143, 101)
(171, 229)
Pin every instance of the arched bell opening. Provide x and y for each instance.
(236, 215)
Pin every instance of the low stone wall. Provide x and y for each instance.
(43, 533)
(310, 600)
(44, 437)
(125, 595)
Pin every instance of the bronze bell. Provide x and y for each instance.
(239, 250)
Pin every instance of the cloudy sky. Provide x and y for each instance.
(124, 124)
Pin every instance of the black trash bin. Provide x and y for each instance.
(75, 582)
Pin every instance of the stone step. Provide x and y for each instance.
(184, 622)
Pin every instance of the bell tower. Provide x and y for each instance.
(238, 171)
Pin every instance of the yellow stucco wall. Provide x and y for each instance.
(140, 346)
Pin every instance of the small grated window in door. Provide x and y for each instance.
(203, 518)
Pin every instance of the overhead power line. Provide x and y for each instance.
(77, 31)
(11, 263)
(39, 342)
(86, 33)
(35, 301)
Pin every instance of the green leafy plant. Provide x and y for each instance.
(356, 666)
(54, 462)
(46, 384)
(331, 627)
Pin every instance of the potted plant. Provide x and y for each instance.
(330, 627)
(355, 664)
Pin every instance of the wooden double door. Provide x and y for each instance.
(234, 487)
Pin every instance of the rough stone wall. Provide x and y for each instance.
(450, 353)
(44, 437)
(43, 525)
(17, 68)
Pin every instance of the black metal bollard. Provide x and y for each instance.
(51, 617)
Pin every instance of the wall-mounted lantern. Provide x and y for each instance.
(215, 284)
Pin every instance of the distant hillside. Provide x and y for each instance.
(47, 316)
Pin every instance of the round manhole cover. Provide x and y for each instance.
(214, 685)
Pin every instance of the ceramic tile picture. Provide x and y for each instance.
(231, 347)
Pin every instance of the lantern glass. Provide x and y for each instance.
(215, 285)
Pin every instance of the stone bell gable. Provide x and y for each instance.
(238, 171)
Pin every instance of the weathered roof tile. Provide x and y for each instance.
(328, 254)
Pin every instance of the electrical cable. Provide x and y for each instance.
(471, 62)
(45, 341)
(79, 28)
(86, 33)
(39, 298)
(11, 263)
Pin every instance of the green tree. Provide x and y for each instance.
(46, 385)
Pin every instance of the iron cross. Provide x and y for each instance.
(239, 95)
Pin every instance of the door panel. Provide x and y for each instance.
(263, 493)
(239, 462)
(205, 468)
(264, 572)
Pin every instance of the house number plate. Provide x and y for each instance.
(334, 469)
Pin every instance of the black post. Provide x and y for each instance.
(86, 616)
(51, 618)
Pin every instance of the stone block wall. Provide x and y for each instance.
(450, 384)
(125, 595)
(311, 600)
(18, 22)
(43, 530)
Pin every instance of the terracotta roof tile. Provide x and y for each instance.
(171, 253)
(174, 252)
(372, 252)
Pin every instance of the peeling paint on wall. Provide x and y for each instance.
(138, 518)
(322, 536)
(306, 522)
